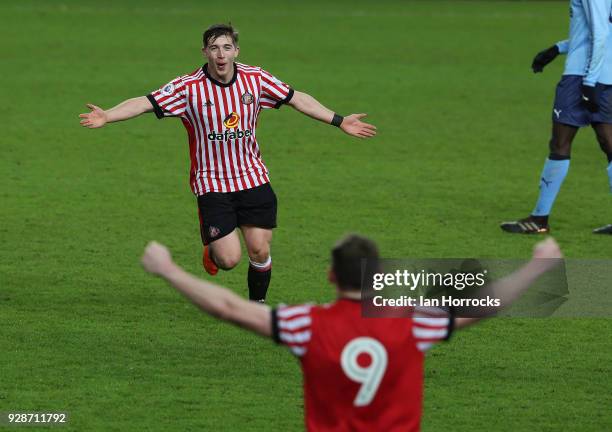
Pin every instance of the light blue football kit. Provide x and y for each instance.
(587, 63)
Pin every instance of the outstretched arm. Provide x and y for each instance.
(546, 256)
(351, 125)
(212, 299)
(128, 109)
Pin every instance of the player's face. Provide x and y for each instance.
(221, 53)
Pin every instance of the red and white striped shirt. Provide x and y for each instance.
(360, 374)
(220, 120)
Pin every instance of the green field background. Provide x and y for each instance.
(463, 129)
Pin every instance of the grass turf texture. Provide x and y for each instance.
(463, 126)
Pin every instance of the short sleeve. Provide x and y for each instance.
(431, 325)
(274, 92)
(170, 100)
(291, 326)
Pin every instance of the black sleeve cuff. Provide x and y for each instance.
(451, 324)
(274, 319)
(284, 101)
(159, 113)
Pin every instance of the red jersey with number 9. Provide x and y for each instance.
(360, 374)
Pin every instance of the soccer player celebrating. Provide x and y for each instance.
(583, 97)
(219, 105)
(360, 374)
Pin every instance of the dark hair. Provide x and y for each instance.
(216, 30)
(354, 261)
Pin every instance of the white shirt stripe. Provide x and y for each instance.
(287, 312)
(426, 333)
(298, 350)
(434, 322)
(424, 346)
(295, 338)
(295, 323)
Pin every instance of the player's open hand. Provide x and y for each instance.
(547, 254)
(94, 119)
(353, 125)
(157, 259)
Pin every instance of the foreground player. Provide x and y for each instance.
(219, 105)
(360, 374)
(583, 97)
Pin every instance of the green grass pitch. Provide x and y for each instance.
(463, 129)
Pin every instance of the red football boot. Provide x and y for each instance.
(209, 265)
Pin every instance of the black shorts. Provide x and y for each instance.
(220, 213)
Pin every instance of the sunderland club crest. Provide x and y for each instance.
(168, 89)
(247, 98)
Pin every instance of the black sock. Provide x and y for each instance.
(258, 281)
(540, 220)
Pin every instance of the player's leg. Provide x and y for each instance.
(257, 242)
(553, 173)
(603, 131)
(218, 224)
(555, 170)
(568, 116)
(225, 252)
(256, 212)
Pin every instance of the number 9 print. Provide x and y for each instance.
(369, 376)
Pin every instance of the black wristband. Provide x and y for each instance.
(337, 120)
